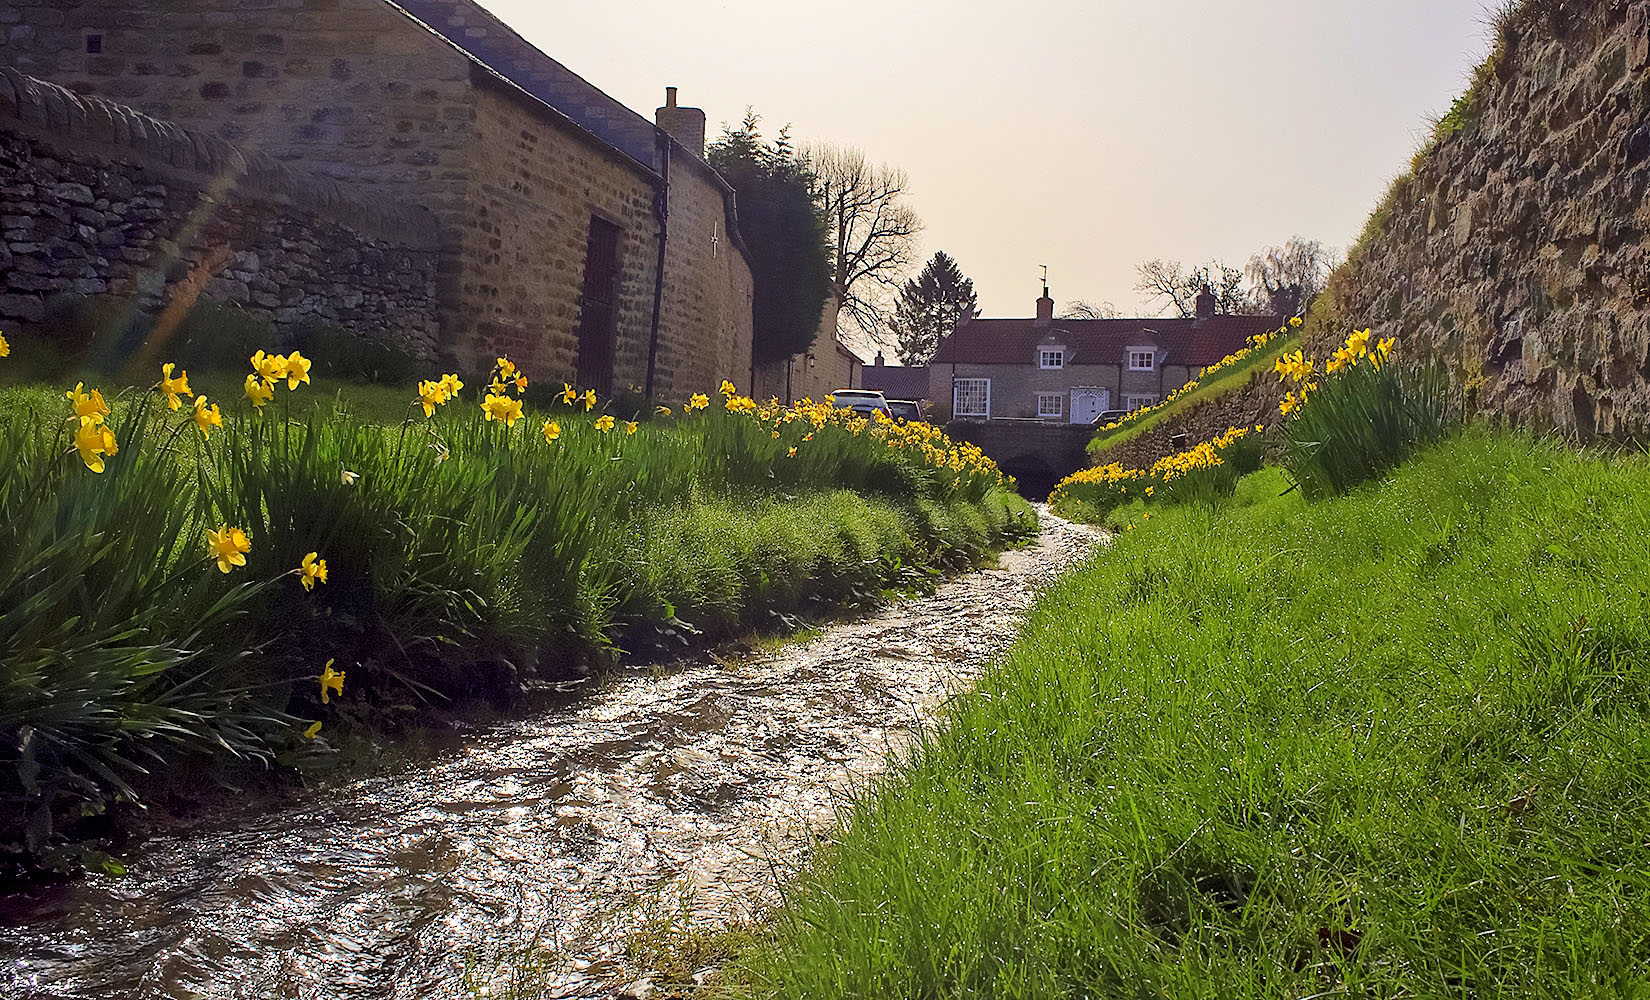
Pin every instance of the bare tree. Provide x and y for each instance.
(1287, 278)
(1168, 280)
(1083, 309)
(873, 232)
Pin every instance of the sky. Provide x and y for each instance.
(1087, 136)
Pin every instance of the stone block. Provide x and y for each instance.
(70, 192)
(29, 308)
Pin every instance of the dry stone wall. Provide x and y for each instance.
(1517, 253)
(99, 199)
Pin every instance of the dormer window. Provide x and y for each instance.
(1142, 359)
(1051, 357)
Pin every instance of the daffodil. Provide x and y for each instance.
(331, 680)
(661, 411)
(727, 388)
(312, 571)
(441, 452)
(297, 370)
(569, 395)
(93, 440)
(5, 348)
(1295, 321)
(499, 407)
(604, 423)
(431, 395)
(589, 400)
(347, 477)
(630, 426)
(505, 367)
(172, 388)
(228, 546)
(521, 383)
(87, 405)
(1358, 343)
(552, 431)
(270, 367)
(452, 384)
(259, 391)
(698, 402)
(313, 730)
(1289, 404)
(206, 416)
(791, 453)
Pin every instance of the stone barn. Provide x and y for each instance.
(588, 242)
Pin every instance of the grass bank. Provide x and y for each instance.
(1395, 743)
(249, 579)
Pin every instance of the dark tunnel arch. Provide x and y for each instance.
(1036, 476)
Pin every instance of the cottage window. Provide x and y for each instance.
(1051, 404)
(1055, 358)
(971, 397)
(1142, 360)
(1137, 402)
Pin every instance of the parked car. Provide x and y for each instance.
(1108, 417)
(906, 410)
(862, 401)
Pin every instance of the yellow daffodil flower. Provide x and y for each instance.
(698, 402)
(270, 367)
(297, 370)
(589, 400)
(441, 452)
(331, 680)
(498, 407)
(431, 395)
(791, 453)
(1295, 321)
(312, 571)
(1358, 343)
(87, 405)
(604, 423)
(451, 384)
(206, 416)
(661, 411)
(552, 431)
(259, 391)
(172, 388)
(727, 388)
(5, 348)
(569, 395)
(521, 383)
(228, 546)
(313, 730)
(630, 426)
(1289, 404)
(776, 435)
(93, 440)
(506, 367)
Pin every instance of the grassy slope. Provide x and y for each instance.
(1390, 745)
(1219, 384)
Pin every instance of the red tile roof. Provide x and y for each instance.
(896, 383)
(1195, 343)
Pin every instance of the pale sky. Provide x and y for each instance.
(1087, 136)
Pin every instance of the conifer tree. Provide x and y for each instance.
(928, 308)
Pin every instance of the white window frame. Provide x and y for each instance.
(1149, 353)
(1059, 411)
(1049, 358)
(1138, 401)
(957, 396)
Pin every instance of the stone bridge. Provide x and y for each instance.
(1036, 452)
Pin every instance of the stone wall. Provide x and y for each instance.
(832, 367)
(1518, 253)
(99, 199)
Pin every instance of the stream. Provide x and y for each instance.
(687, 794)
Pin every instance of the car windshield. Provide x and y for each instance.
(909, 411)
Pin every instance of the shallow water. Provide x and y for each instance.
(686, 794)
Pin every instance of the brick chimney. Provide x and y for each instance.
(1206, 303)
(879, 362)
(685, 125)
(1045, 308)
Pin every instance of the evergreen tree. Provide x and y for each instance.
(785, 233)
(928, 308)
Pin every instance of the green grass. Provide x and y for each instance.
(1219, 384)
(1391, 744)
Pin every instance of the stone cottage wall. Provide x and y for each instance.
(99, 199)
(1518, 254)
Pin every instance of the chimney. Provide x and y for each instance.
(685, 125)
(1206, 304)
(879, 359)
(1045, 308)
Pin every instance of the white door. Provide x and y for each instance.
(1086, 404)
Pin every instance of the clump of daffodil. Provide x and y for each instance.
(506, 377)
(228, 546)
(331, 681)
(206, 416)
(604, 423)
(269, 367)
(698, 402)
(174, 388)
(500, 407)
(437, 392)
(551, 430)
(312, 570)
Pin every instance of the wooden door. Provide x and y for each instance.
(598, 307)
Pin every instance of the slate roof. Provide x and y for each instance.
(1101, 341)
(498, 47)
(896, 383)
